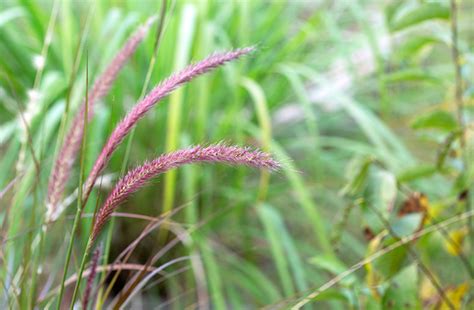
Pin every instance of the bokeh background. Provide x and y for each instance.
(355, 98)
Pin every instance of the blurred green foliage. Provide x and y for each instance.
(355, 98)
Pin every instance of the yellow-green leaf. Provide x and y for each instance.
(440, 120)
(453, 245)
(455, 295)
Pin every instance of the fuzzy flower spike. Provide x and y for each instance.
(72, 142)
(140, 176)
(159, 92)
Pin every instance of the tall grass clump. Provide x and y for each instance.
(138, 177)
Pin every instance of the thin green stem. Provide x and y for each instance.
(36, 266)
(61, 134)
(68, 255)
(108, 245)
(128, 148)
(81, 271)
(80, 204)
(460, 113)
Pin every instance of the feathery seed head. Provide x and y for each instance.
(159, 92)
(72, 142)
(138, 177)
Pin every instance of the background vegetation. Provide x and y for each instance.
(368, 105)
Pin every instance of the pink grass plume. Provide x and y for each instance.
(72, 142)
(140, 176)
(159, 92)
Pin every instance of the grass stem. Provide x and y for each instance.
(80, 204)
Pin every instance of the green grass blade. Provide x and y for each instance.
(183, 52)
